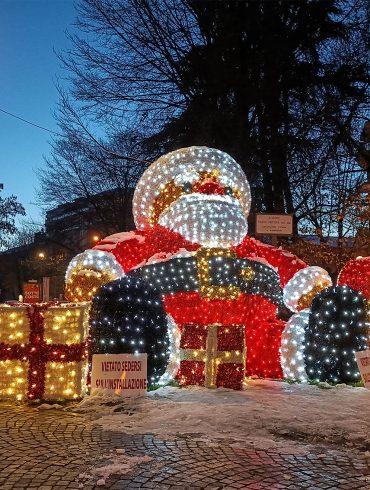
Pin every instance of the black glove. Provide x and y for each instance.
(128, 316)
(337, 328)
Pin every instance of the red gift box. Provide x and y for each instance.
(43, 350)
(212, 355)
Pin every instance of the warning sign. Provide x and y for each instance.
(122, 374)
(274, 224)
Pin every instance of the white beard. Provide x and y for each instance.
(210, 220)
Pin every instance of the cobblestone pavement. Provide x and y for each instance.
(54, 450)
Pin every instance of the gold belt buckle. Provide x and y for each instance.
(206, 290)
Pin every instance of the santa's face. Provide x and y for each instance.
(212, 220)
(199, 192)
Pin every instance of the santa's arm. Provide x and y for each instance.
(107, 261)
(300, 281)
(127, 247)
(117, 254)
(286, 263)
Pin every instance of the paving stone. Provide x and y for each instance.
(50, 450)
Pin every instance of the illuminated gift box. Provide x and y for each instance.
(212, 355)
(43, 351)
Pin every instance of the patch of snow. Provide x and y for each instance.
(183, 252)
(118, 464)
(324, 385)
(124, 236)
(109, 243)
(287, 254)
(266, 413)
(103, 402)
(159, 257)
(49, 406)
(342, 386)
(106, 247)
(164, 257)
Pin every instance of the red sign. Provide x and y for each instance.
(31, 292)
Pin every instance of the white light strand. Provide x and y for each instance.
(210, 220)
(292, 347)
(173, 365)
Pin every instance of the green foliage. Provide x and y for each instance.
(326, 385)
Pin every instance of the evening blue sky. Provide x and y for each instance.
(30, 31)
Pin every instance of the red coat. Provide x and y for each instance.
(257, 314)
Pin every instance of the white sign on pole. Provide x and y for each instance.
(122, 374)
(274, 224)
(363, 361)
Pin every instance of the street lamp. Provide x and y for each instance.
(45, 281)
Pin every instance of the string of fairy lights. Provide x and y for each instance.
(127, 317)
(222, 282)
(337, 329)
(194, 292)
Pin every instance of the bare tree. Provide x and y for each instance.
(25, 234)
(9, 209)
(85, 166)
(279, 85)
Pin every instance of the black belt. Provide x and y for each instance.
(215, 274)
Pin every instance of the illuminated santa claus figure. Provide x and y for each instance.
(191, 259)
